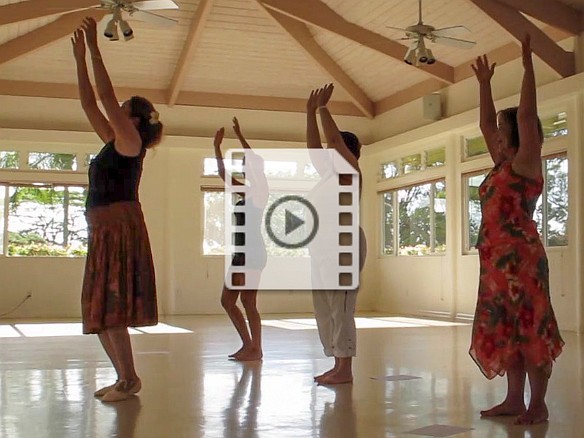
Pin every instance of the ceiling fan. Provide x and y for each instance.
(138, 10)
(417, 33)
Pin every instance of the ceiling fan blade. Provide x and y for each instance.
(395, 28)
(452, 31)
(30, 9)
(455, 42)
(153, 5)
(149, 17)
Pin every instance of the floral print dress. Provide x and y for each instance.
(514, 312)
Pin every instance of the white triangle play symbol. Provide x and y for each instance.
(292, 222)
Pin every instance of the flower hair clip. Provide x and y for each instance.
(154, 115)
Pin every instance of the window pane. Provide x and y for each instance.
(388, 214)
(8, 160)
(51, 161)
(3, 193)
(414, 220)
(280, 169)
(389, 170)
(557, 200)
(473, 207)
(435, 157)
(475, 146)
(47, 221)
(411, 163)
(89, 158)
(555, 126)
(213, 223)
(439, 216)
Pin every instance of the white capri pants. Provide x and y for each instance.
(335, 318)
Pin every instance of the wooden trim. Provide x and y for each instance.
(301, 34)
(30, 9)
(552, 12)
(188, 50)
(318, 14)
(409, 94)
(61, 27)
(517, 25)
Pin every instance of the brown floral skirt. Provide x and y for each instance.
(119, 288)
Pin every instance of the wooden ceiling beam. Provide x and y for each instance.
(552, 12)
(301, 34)
(185, 98)
(61, 27)
(516, 24)
(317, 13)
(188, 50)
(27, 10)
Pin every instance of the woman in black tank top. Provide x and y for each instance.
(119, 289)
(252, 202)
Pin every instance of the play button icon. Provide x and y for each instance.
(291, 222)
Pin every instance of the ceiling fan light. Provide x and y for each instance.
(111, 29)
(410, 56)
(431, 59)
(126, 30)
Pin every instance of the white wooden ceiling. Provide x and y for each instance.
(241, 57)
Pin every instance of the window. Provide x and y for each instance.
(555, 126)
(411, 163)
(44, 220)
(389, 170)
(473, 215)
(551, 213)
(420, 225)
(436, 157)
(8, 160)
(213, 222)
(474, 147)
(51, 161)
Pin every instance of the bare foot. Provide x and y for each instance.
(323, 375)
(336, 378)
(249, 354)
(504, 409)
(236, 353)
(533, 415)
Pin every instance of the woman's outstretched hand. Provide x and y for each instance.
(312, 103)
(218, 139)
(236, 127)
(78, 45)
(324, 95)
(482, 70)
(526, 51)
(89, 26)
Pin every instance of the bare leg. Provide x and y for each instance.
(342, 374)
(228, 301)
(109, 349)
(537, 412)
(120, 340)
(254, 350)
(318, 378)
(513, 403)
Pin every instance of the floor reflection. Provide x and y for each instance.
(338, 417)
(241, 416)
(126, 417)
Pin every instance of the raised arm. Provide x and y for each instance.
(333, 137)
(219, 156)
(239, 134)
(488, 115)
(528, 158)
(86, 95)
(127, 137)
(312, 133)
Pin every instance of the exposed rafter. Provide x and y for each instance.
(61, 27)
(517, 25)
(27, 10)
(318, 14)
(551, 12)
(185, 98)
(301, 34)
(188, 51)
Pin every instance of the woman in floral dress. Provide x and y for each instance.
(515, 331)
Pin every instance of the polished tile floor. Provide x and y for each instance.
(49, 372)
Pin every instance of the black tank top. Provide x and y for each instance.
(113, 177)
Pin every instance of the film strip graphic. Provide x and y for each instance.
(296, 229)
